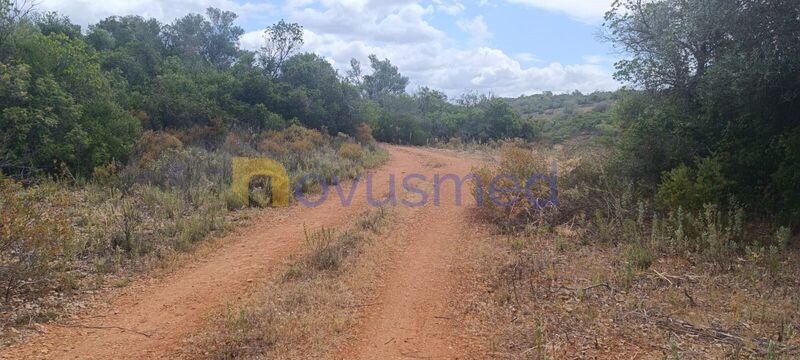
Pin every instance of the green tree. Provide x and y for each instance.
(212, 38)
(58, 108)
(281, 41)
(721, 79)
(384, 80)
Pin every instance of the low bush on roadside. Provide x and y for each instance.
(516, 192)
(351, 152)
(35, 241)
(687, 215)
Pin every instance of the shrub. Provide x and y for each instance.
(32, 236)
(302, 147)
(513, 208)
(237, 144)
(640, 255)
(182, 169)
(271, 146)
(232, 201)
(692, 188)
(152, 144)
(127, 232)
(351, 152)
(455, 143)
(107, 174)
(364, 134)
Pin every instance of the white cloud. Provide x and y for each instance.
(528, 58)
(454, 71)
(476, 28)
(599, 59)
(590, 11)
(452, 9)
(394, 21)
(86, 12)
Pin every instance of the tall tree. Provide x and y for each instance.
(384, 80)
(11, 12)
(722, 77)
(213, 39)
(281, 40)
(222, 41)
(353, 75)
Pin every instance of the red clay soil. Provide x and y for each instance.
(411, 318)
(149, 319)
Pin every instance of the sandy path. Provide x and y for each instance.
(174, 306)
(412, 319)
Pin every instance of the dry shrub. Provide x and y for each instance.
(238, 144)
(302, 147)
(182, 169)
(271, 146)
(351, 152)
(152, 144)
(32, 237)
(203, 135)
(517, 191)
(107, 174)
(364, 134)
(455, 143)
(295, 139)
(298, 133)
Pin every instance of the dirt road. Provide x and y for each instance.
(149, 320)
(413, 319)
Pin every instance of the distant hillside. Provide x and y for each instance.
(558, 117)
(548, 104)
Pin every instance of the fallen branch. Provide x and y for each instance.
(605, 285)
(753, 345)
(103, 328)
(663, 277)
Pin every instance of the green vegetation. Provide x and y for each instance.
(72, 100)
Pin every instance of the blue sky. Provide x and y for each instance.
(504, 47)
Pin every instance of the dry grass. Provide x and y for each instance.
(305, 311)
(606, 286)
(550, 296)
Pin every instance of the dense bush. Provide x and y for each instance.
(58, 108)
(711, 89)
(692, 188)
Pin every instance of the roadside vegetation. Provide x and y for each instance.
(675, 233)
(63, 237)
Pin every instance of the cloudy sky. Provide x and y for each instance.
(504, 47)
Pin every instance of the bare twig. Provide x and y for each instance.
(663, 277)
(104, 328)
(691, 299)
(605, 285)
